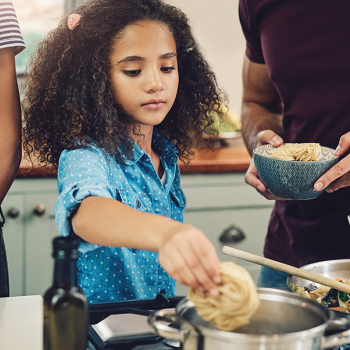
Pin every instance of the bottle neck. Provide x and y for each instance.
(65, 273)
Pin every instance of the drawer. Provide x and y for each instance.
(252, 222)
(221, 191)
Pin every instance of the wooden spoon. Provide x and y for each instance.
(286, 268)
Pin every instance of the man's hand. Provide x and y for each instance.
(251, 177)
(339, 175)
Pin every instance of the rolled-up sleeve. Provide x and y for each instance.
(81, 173)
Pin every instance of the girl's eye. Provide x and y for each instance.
(132, 73)
(167, 69)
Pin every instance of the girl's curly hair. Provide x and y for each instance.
(69, 101)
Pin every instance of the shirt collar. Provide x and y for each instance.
(164, 147)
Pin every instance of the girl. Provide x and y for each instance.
(116, 95)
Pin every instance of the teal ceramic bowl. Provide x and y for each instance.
(292, 179)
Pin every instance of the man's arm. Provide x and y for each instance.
(10, 121)
(261, 117)
(261, 106)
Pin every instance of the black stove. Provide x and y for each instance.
(123, 325)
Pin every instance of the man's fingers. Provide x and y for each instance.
(344, 145)
(333, 174)
(343, 181)
(269, 136)
(252, 179)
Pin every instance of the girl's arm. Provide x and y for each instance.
(10, 121)
(184, 251)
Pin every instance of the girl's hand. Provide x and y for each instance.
(339, 175)
(251, 176)
(190, 258)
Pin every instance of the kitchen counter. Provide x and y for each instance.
(222, 160)
(21, 323)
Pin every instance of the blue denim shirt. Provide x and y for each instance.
(107, 273)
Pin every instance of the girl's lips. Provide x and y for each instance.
(154, 105)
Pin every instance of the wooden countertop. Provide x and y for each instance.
(222, 160)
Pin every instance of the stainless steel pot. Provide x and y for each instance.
(283, 321)
(332, 269)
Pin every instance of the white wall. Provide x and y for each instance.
(216, 27)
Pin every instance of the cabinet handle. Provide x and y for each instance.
(13, 212)
(232, 234)
(39, 209)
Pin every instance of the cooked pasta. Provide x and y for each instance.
(305, 152)
(237, 301)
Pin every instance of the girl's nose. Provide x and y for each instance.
(154, 81)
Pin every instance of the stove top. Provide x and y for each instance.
(123, 325)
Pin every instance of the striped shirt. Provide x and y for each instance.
(10, 35)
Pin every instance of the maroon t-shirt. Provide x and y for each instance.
(305, 45)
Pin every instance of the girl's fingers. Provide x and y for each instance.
(189, 268)
(175, 264)
(207, 257)
(200, 260)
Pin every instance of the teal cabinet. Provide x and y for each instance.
(30, 226)
(215, 204)
(229, 212)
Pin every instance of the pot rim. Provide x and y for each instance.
(319, 263)
(185, 303)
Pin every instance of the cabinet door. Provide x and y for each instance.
(252, 222)
(40, 230)
(14, 234)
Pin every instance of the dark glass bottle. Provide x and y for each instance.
(65, 305)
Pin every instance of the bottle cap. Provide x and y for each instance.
(65, 247)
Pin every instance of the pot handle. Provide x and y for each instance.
(156, 321)
(337, 339)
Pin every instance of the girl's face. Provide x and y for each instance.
(144, 72)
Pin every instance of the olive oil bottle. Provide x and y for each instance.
(65, 305)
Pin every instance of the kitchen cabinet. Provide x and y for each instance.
(215, 202)
(224, 206)
(30, 226)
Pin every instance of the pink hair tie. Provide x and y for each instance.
(73, 21)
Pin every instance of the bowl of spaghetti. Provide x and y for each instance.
(291, 170)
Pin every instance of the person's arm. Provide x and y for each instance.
(184, 251)
(10, 121)
(261, 105)
(261, 116)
